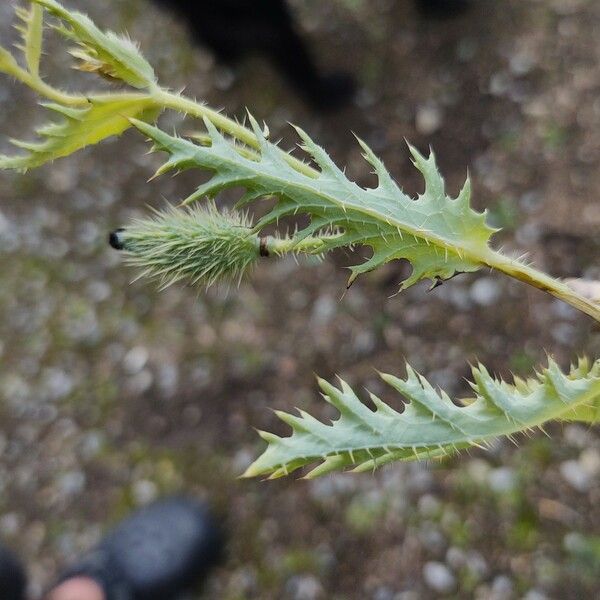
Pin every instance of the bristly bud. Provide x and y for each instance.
(199, 244)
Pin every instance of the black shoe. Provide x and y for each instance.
(12, 576)
(156, 554)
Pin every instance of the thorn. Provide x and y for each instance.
(436, 283)
(541, 428)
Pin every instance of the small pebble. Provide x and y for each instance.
(305, 587)
(589, 461)
(429, 119)
(502, 587)
(456, 558)
(438, 577)
(135, 360)
(575, 475)
(144, 491)
(502, 480)
(71, 483)
(485, 291)
(535, 595)
(323, 310)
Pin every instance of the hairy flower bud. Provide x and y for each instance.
(199, 244)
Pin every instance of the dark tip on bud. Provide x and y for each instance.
(115, 240)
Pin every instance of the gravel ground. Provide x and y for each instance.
(112, 394)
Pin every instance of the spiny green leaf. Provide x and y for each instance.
(431, 425)
(31, 31)
(78, 128)
(202, 245)
(106, 53)
(439, 235)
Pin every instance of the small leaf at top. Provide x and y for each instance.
(31, 31)
(112, 55)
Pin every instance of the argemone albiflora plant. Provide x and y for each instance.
(440, 236)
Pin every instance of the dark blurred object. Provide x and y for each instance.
(442, 9)
(157, 553)
(235, 28)
(12, 577)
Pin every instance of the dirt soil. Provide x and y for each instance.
(112, 394)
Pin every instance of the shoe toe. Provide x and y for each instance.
(165, 547)
(12, 577)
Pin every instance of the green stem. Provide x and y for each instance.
(309, 245)
(540, 280)
(166, 99)
(47, 91)
(493, 259)
(163, 99)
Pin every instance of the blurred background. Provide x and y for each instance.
(112, 394)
